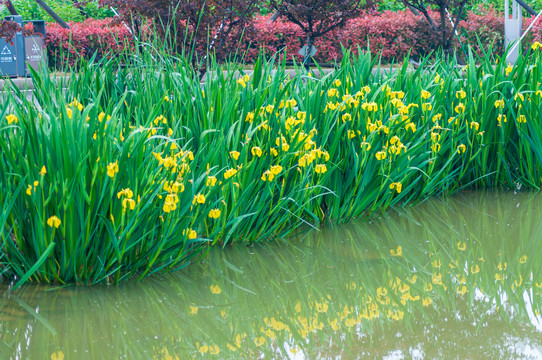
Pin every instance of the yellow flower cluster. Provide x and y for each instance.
(173, 188)
(53, 222)
(311, 156)
(191, 234)
(76, 104)
(170, 203)
(396, 146)
(270, 174)
(198, 199)
(127, 201)
(210, 181)
(214, 213)
(380, 155)
(230, 173)
(113, 169)
(32, 188)
(12, 119)
(176, 163)
(235, 154)
(243, 81)
(256, 151)
(397, 186)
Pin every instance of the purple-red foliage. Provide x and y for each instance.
(441, 27)
(317, 17)
(191, 24)
(8, 29)
(487, 25)
(28, 30)
(393, 34)
(103, 36)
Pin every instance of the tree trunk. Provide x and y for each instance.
(52, 14)
(80, 8)
(10, 7)
(444, 38)
(308, 58)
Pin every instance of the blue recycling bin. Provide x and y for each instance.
(12, 56)
(25, 52)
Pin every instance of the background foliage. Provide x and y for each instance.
(392, 33)
(66, 9)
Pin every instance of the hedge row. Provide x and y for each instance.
(101, 35)
(392, 33)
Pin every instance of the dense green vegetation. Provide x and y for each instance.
(30, 10)
(135, 169)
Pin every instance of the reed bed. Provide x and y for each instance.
(133, 165)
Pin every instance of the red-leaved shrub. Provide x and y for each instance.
(485, 27)
(392, 34)
(101, 36)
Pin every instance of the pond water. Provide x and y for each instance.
(459, 278)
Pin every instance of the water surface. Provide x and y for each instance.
(447, 279)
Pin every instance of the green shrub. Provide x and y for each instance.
(536, 5)
(66, 9)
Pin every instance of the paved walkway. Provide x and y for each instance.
(21, 83)
(26, 83)
(27, 87)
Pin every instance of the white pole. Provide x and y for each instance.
(522, 36)
(123, 23)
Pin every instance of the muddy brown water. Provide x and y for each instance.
(459, 278)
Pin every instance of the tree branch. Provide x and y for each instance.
(423, 10)
(456, 22)
(10, 7)
(52, 14)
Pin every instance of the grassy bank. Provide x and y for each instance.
(137, 169)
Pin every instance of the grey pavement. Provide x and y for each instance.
(26, 85)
